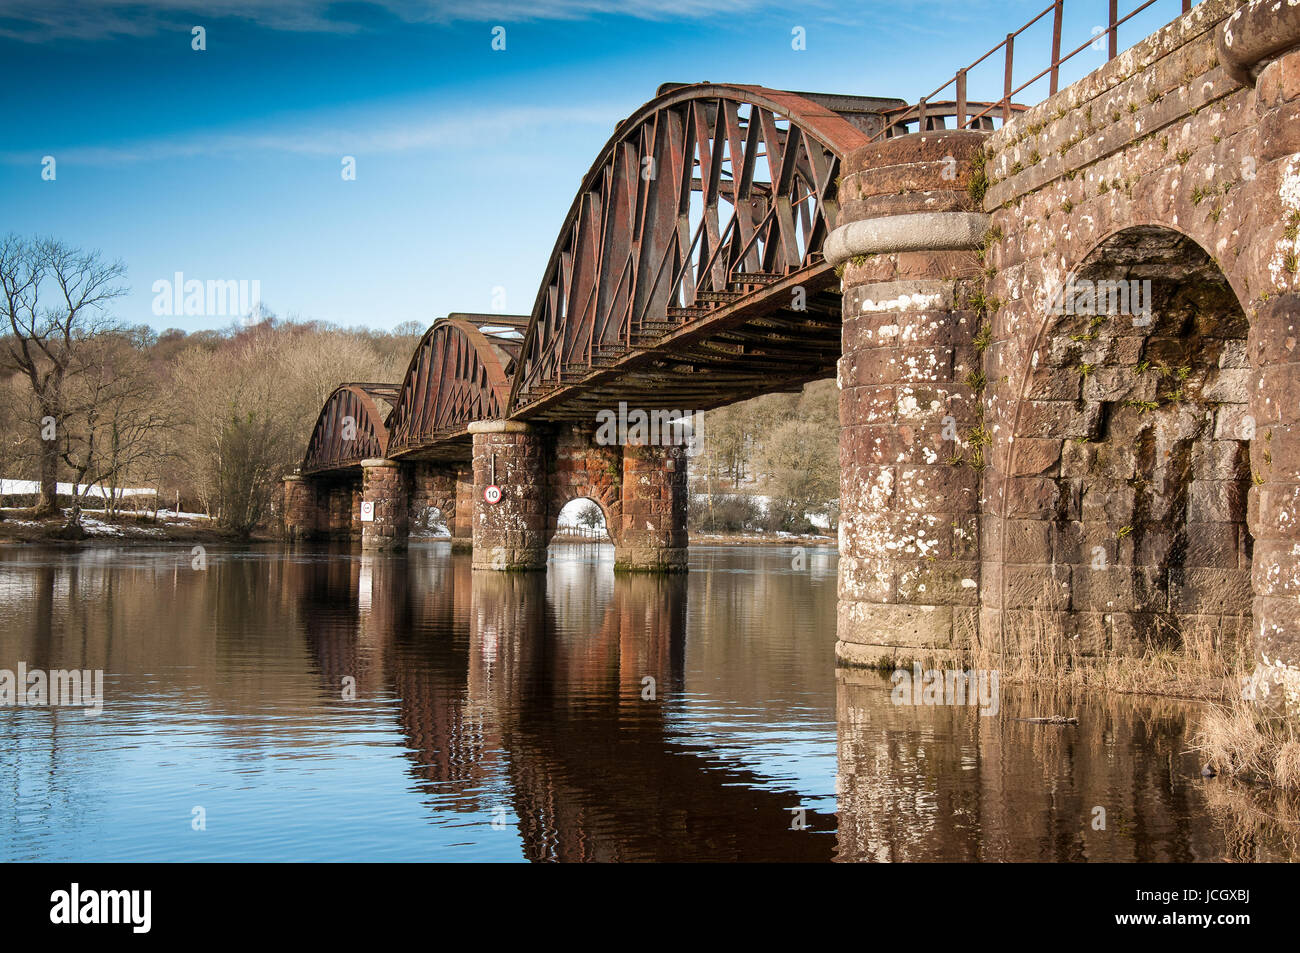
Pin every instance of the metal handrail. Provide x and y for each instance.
(959, 108)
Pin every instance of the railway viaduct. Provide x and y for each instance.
(1065, 337)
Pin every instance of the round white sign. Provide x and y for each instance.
(492, 494)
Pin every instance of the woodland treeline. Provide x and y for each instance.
(769, 464)
(216, 418)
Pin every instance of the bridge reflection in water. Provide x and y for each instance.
(597, 772)
(587, 718)
(503, 715)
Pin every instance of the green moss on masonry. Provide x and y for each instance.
(978, 184)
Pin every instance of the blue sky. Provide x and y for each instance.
(225, 164)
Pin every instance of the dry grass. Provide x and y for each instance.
(1198, 664)
(1237, 738)
(1245, 741)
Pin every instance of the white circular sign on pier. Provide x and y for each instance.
(368, 512)
(492, 494)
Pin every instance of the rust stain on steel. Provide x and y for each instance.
(646, 249)
(458, 374)
(328, 448)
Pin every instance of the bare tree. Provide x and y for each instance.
(55, 299)
(10, 439)
(590, 516)
(112, 419)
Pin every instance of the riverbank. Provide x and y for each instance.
(20, 527)
(760, 539)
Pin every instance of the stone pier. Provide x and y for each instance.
(385, 487)
(912, 443)
(509, 535)
(652, 536)
(462, 527)
(299, 508)
(641, 491)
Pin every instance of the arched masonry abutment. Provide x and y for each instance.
(911, 439)
(1179, 162)
(1133, 480)
(321, 506)
(1115, 520)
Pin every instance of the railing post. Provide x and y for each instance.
(1187, 6)
(1006, 85)
(1114, 29)
(920, 115)
(961, 99)
(1056, 44)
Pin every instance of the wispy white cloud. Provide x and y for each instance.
(334, 137)
(44, 20)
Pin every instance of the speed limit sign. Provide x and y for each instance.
(492, 494)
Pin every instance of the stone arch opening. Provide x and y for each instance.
(429, 521)
(1154, 467)
(581, 519)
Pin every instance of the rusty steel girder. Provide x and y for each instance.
(707, 195)
(351, 428)
(459, 373)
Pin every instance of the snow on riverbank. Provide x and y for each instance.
(30, 487)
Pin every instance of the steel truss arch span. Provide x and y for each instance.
(351, 427)
(460, 373)
(706, 195)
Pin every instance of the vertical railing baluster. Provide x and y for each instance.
(961, 99)
(1056, 45)
(1114, 29)
(1006, 84)
(920, 115)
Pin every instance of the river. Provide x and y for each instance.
(318, 704)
